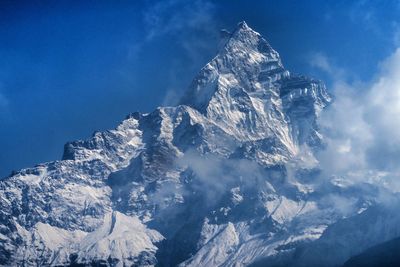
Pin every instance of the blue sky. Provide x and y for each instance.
(71, 67)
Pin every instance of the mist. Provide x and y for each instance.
(361, 128)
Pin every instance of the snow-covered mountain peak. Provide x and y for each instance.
(246, 37)
(247, 91)
(243, 25)
(246, 60)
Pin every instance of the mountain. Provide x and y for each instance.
(384, 254)
(229, 177)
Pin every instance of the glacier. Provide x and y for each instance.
(229, 177)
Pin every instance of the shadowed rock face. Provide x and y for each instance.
(384, 254)
(227, 177)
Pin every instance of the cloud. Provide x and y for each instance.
(361, 127)
(192, 26)
(364, 13)
(320, 61)
(383, 112)
(184, 20)
(171, 97)
(215, 175)
(174, 16)
(396, 33)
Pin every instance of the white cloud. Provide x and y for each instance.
(320, 61)
(362, 126)
(215, 174)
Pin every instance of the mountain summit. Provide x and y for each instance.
(227, 178)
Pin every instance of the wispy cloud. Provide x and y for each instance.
(192, 25)
(396, 33)
(370, 16)
(364, 13)
(361, 126)
(174, 16)
(320, 61)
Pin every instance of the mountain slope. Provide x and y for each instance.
(226, 178)
(385, 254)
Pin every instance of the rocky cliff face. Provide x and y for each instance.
(227, 178)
